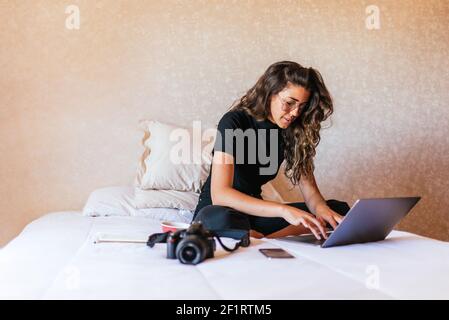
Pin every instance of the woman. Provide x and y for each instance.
(281, 113)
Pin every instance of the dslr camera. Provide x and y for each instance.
(196, 244)
(192, 245)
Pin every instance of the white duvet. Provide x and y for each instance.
(55, 258)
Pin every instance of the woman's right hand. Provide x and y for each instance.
(297, 216)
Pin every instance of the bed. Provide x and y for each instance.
(55, 257)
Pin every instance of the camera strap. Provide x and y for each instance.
(241, 235)
(238, 234)
(157, 238)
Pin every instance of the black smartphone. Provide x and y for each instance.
(276, 253)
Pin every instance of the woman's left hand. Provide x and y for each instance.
(325, 214)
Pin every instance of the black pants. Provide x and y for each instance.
(215, 217)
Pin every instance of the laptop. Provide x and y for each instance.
(368, 220)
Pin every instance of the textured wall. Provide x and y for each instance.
(70, 99)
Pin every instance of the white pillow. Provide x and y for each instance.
(186, 200)
(110, 201)
(163, 167)
(119, 201)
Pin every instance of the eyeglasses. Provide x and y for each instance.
(289, 106)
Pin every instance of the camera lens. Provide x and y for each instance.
(188, 254)
(191, 251)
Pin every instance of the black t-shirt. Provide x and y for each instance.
(258, 150)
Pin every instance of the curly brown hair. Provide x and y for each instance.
(303, 136)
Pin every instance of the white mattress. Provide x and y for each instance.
(55, 258)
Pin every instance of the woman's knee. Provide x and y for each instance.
(205, 214)
(214, 217)
(205, 211)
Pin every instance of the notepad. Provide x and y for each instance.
(118, 238)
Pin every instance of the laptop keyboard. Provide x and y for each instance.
(306, 238)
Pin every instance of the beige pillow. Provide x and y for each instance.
(174, 158)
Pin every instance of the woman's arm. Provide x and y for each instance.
(316, 203)
(312, 195)
(222, 193)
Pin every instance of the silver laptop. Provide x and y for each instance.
(368, 220)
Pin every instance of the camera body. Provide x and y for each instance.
(192, 245)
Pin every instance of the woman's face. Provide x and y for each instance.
(287, 105)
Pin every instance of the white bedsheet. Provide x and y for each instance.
(55, 258)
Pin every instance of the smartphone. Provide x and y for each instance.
(276, 253)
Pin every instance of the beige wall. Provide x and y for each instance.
(70, 99)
